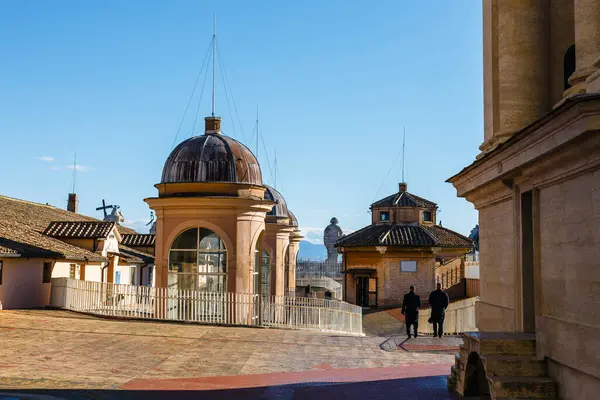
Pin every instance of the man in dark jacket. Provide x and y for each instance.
(410, 310)
(438, 300)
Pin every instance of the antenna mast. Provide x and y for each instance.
(257, 132)
(403, 145)
(275, 168)
(74, 170)
(213, 62)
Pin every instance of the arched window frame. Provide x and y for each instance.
(266, 273)
(198, 261)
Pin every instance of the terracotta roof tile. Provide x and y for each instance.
(403, 199)
(38, 216)
(138, 239)
(409, 235)
(79, 229)
(22, 224)
(135, 256)
(29, 243)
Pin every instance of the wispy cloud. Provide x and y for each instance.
(47, 158)
(55, 168)
(80, 168)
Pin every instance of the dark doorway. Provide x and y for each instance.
(476, 383)
(527, 261)
(362, 291)
(568, 66)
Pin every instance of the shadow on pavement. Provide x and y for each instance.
(433, 387)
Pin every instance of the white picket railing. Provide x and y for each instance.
(130, 301)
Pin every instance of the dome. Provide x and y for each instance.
(212, 157)
(280, 209)
(293, 219)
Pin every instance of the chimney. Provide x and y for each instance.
(212, 125)
(402, 187)
(72, 202)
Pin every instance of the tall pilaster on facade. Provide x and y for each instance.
(278, 273)
(587, 46)
(293, 249)
(248, 224)
(516, 67)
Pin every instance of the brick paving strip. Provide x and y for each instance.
(59, 350)
(341, 375)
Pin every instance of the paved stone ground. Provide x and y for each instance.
(63, 351)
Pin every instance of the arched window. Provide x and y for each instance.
(198, 261)
(266, 273)
(568, 65)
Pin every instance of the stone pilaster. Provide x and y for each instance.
(293, 249)
(278, 273)
(587, 47)
(248, 227)
(516, 67)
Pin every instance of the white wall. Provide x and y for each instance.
(22, 285)
(93, 272)
(472, 269)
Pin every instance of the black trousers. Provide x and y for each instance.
(411, 319)
(438, 325)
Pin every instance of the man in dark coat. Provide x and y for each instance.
(410, 310)
(438, 300)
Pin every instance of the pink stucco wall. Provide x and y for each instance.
(22, 285)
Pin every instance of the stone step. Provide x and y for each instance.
(510, 365)
(507, 347)
(516, 387)
(459, 362)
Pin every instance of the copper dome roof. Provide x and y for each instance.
(293, 219)
(280, 209)
(212, 157)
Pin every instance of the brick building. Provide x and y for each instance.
(397, 250)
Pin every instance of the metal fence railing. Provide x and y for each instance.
(319, 269)
(168, 304)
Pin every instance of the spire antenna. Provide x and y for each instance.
(213, 62)
(403, 145)
(275, 170)
(257, 132)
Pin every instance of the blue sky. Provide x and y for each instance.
(336, 81)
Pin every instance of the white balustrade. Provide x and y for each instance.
(167, 304)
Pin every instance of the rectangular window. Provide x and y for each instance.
(72, 270)
(47, 274)
(132, 275)
(1, 265)
(408, 266)
(427, 216)
(384, 216)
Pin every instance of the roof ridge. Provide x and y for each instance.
(435, 238)
(456, 233)
(30, 202)
(398, 197)
(386, 234)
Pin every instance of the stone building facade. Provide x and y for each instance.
(536, 186)
(399, 249)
